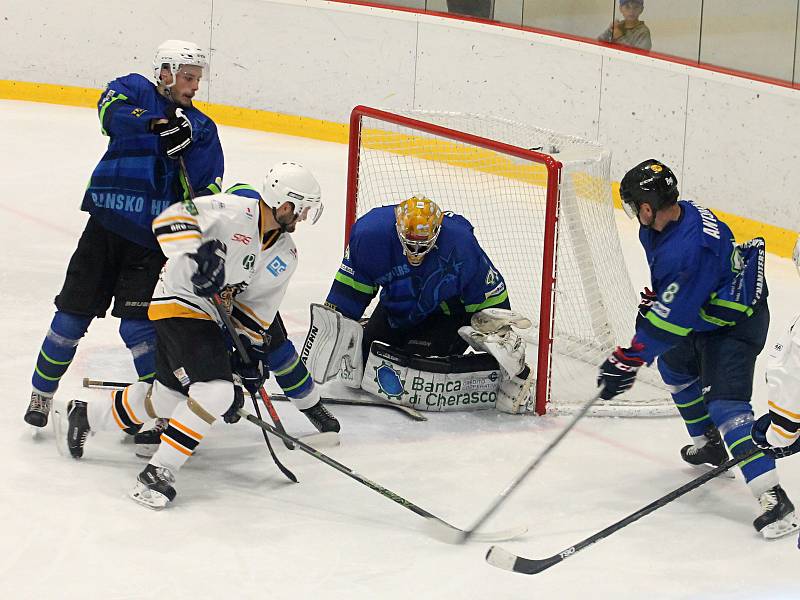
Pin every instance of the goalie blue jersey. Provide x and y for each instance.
(135, 181)
(456, 276)
(703, 281)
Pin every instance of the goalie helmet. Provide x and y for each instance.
(419, 221)
(652, 182)
(174, 53)
(291, 182)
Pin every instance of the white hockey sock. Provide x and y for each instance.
(699, 441)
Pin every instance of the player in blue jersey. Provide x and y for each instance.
(706, 320)
(150, 126)
(439, 294)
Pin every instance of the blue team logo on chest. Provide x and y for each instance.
(276, 266)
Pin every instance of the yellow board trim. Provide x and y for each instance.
(780, 241)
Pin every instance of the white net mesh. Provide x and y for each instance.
(505, 197)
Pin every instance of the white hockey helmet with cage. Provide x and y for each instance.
(292, 182)
(174, 53)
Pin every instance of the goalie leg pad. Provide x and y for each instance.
(333, 344)
(450, 383)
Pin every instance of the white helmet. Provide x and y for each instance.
(175, 53)
(290, 182)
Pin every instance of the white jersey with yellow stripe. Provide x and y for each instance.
(258, 264)
(783, 382)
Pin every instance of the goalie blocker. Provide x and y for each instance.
(496, 376)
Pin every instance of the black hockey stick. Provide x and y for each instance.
(503, 559)
(495, 536)
(458, 536)
(411, 413)
(188, 203)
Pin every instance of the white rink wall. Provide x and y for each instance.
(733, 141)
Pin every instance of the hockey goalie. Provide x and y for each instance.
(440, 295)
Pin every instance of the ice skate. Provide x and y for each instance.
(321, 418)
(147, 441)
(154, 487)
(778, 518)
(38, 409)
(713, 453)
(72, 428)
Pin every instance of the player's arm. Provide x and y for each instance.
(205, 163)
(483, 285)
(353, 287)
(119, 110)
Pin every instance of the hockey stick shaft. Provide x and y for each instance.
(386, 493)
(227, 322)
(289, 475)
(505, 560)
(503, 496)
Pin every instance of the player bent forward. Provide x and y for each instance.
(706, 321)
(439, 294)
(239, 246)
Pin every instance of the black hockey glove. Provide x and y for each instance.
(648, 298)
(210, 276)
(618, 373)
(759, 435)
(231, 415)
(175, 134)
(252, 374)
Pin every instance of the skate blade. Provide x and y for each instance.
(58, 417)
(141, 494)
(778, 529)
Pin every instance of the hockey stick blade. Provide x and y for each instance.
(375, 487)
(444, 532)
(503, 559)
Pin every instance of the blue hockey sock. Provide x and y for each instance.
(734, 419)
(290, 372)
(688, 397)
(58, 350)
(139, 336)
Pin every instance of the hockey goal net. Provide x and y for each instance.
(542, 208)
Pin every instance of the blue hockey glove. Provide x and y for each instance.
(759, 435)
(618, 373)
(210, 276)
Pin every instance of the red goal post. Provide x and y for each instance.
(507, 179)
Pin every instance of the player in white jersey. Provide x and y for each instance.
(238, 246)
(779, 429)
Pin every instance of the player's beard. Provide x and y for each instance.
(288, 227)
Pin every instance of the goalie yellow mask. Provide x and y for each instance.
(418, 223)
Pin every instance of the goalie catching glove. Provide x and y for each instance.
(490, 331)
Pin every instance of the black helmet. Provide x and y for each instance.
(652, 182)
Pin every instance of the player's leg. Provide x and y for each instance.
(680, 371)
(293, 377)
(86, 294)
(139, 268)
(727, 367)
(196, 352)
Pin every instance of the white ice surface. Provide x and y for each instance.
(239, 530)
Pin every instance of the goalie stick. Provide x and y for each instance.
(493, 536)
(411, 413)
(503, 559)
